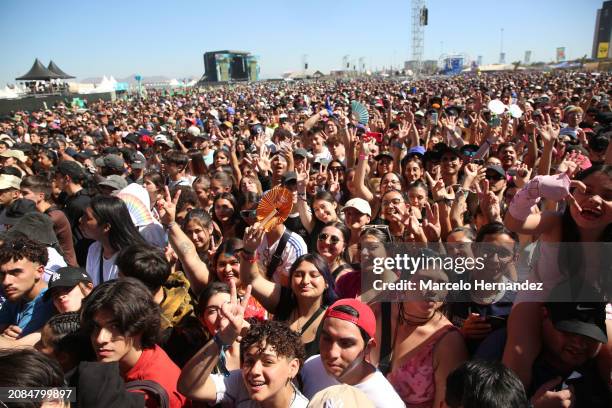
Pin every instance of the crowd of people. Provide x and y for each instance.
(135, 267)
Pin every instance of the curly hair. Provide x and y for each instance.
(19, 248)
(132, 306)
(284, 341)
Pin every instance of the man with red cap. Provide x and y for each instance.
(348, 333)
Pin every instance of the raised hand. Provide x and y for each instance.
(253, 236)
(489, 202)
(440, 192)
(303, 175)
(166, 206)
(431, 223)
(334, 183)
(523, 175)
(263, 161)
(233, 312)
(547, 131)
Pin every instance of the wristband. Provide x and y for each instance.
(170, 225)
(362, 156)
(219, 342)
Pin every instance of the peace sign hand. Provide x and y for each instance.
(334, 183)
(233, 312)
(166, 206)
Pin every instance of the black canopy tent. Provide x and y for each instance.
(56, 70)
(38, 72)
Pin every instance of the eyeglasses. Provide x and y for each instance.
(395, 201)
(332, 238)
(335, 169)
(248, 213)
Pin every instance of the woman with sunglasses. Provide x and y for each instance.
(332, 245)
(301, 305)
(587, 218)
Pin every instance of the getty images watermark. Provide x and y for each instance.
(484, 272)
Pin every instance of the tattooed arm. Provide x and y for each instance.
(196, 271)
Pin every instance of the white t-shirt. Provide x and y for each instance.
(55, 262)
(295, 248)
(231, 392)
(377, 388)
(109, 269)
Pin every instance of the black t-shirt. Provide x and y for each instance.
(589, 389)
(294, 224)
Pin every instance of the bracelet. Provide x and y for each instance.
(362, 156)
(219, 342)
(170, 225)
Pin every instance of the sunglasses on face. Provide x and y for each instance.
(335, 169)
(332, 238)
(248, 213)
(493, 177)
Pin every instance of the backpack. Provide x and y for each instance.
(151, 388)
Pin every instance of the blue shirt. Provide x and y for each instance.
(29, 316)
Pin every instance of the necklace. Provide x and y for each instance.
(405, 318)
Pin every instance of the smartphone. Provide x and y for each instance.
(496, 322)
(434, 118)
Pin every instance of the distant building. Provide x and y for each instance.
(603, 32)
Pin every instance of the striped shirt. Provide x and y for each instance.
(295, 248)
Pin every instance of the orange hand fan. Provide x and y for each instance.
(274, 207)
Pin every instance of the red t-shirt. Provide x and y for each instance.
(154, 364)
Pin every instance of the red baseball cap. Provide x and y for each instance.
(366, 319)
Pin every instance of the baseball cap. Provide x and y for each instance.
(289, 177)
(360, 205)
(383, 154)
(114, 181)
(418, 150)
(587, 318)
(111, 161)
(67, 276)
(300, 152)
(8, 181)
(366, 319)
(497, 169)
(342, 395)
(16, 154)
(16, 210)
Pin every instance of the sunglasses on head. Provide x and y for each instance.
(332, 238)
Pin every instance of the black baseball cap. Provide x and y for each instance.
(68, 276)
(585, 316)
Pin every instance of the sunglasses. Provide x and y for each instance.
(335, 169)
(495, 177)
(332, 238)
(248, 213)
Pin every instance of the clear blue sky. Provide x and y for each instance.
(153, 37)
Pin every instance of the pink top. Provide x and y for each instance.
(414, 380)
